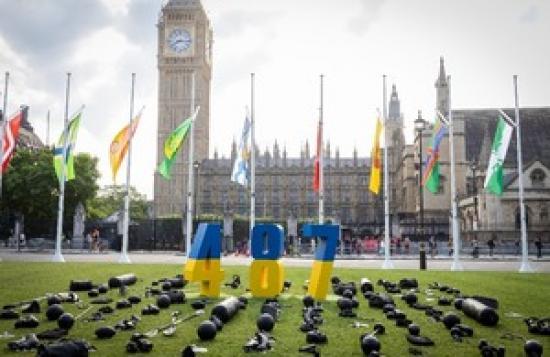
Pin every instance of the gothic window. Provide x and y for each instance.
(543, 215)
(537, 178)
(441, 189)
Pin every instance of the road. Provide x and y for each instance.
(484, 263)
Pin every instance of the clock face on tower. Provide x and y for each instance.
(179, 40)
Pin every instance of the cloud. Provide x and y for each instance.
(530, 15)
(360, 23)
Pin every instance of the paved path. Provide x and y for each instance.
(501, 263)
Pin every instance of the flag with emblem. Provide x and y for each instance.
(120, 143)
(173, 143)
(376, 161)
(241, 167)
(67, 140)
(494, 182)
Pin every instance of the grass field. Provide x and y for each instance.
(528, 295)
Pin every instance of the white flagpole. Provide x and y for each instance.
(48, 129)
(388, 264)
(456, 265)
(4, 120)
(189, 218)
(58, 257)
(252, 165)
(525, 266)
(124, 258)
(321, 164)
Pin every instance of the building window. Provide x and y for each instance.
(543, 215)
(537, 178)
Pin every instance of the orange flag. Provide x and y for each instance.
(376, 162)
(119, 145)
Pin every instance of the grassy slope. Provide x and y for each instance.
(525, 294)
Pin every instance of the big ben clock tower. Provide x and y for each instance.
(184, 49)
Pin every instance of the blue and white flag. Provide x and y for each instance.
(241, 167)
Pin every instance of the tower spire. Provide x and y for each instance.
(394, 105)
(442, 89)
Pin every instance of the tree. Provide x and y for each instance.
(31, 189)
(111, 199)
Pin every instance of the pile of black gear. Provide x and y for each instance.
(370, 345)
(338, 286)
(538, 326)
(488, 350)
(262, 340)
(235, 282)
(312, 318)
(222, 313)
(311, 314)
(139, 343)
(389, 286)
(347, 303)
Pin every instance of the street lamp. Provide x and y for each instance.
(196, 166)
(420, 126)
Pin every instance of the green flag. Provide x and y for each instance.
(494, 177)
(173, 143)
(71, 132)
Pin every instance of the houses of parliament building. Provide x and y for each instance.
(284, 180)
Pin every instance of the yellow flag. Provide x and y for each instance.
(374, 185)
(119, 145)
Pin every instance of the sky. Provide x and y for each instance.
(287, 44)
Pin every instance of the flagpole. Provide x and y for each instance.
(58, 257)
(48, 129)
(388, 264)
(456, 265)
(189, 218)
(4, 119)
(525, 266)
(252, 164)
(124, 258)
(321, 164)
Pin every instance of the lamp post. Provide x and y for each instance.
(196, 166)
(420, 126)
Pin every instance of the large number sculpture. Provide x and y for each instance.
(266, 270)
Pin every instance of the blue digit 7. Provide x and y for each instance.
(324, 257)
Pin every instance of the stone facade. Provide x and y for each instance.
(184, 50)
(284, 187)
(473, 131)
(284, 184)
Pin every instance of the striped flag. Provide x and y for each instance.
(241, 167)
(430, 177)
(494, 178)
(173, 143)
(71, 132)
(376, 161)
(119, 145)
(11, 134)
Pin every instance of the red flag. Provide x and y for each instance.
(11, 135)
(316, 171)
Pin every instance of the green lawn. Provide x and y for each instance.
(525, 294)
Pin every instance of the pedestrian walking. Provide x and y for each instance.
(538, 244)
(407, 245)
(475, 250)
(491, 244)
